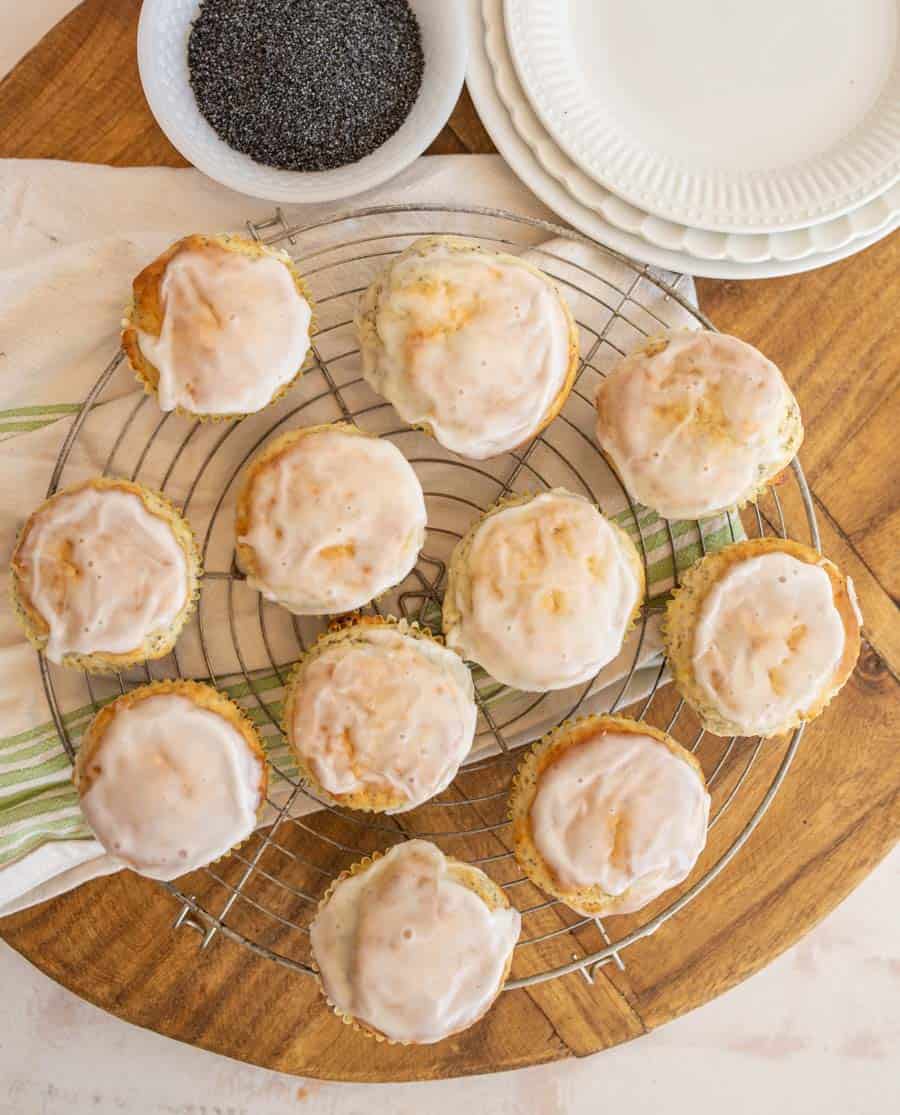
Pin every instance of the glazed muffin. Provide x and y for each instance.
(608, 814)
(171, 777)
(328, 518)
(542, 591)
(219, 327)
(695, 423)
(761, 635)
(413, 946)
(477, 347)
(379, 715)
(104, 574)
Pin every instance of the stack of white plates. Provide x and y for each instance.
(717, 137)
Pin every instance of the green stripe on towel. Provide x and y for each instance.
(23, 420)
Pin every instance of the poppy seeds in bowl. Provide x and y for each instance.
(305, 85)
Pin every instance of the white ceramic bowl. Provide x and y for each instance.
(162, 57)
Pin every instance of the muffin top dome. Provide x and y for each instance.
(381, 715)
(609, 813)
(328, 518)
(414, 945)
(542, 591)
(476, 346)
(761, 635)
(622, 813)
(219, 326)
(171, 777)
(696, 422)
(98, 572)
(768, 641)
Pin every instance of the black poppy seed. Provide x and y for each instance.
(305, 84)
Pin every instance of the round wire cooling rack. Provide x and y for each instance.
(265, 894)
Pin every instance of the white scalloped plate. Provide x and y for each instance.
(517, 153)
(720, 114)
(829, 236)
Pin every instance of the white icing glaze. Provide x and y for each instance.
(405, 948)
(697, 427)
(551, 593)
(472, 343)
(235, 330)
(621, 812)
(178, 786)
(768, 641)
(103, 571)
(335, 520)
(384, 712)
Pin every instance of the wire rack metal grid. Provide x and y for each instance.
(265, 894)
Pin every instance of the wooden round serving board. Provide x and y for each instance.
(836, 334)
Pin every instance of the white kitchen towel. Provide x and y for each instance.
(73, 238)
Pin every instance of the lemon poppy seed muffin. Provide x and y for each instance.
(761, 636)
(380, 715)
(477, 347)
(696, 422)
(218, 326)
(171, 777)
(104, 575)
(608, 814)
(413, 946)
(542, 591)
(328, 518)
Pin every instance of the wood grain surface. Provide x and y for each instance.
(836, 334)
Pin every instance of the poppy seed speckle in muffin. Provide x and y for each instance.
(305, 84)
